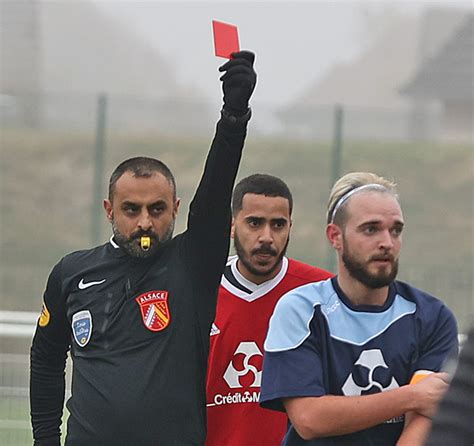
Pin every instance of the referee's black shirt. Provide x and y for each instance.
(138, 376)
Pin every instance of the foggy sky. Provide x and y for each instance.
(295, 42)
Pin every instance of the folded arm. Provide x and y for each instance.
(329, 415)
(415, 431)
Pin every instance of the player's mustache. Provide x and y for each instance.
(265, 249)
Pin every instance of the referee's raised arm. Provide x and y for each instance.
(209, 215)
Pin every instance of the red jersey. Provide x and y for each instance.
(234, 417)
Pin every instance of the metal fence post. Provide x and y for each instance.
(335, 169)
(99, 157)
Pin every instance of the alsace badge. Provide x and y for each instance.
(154, 309)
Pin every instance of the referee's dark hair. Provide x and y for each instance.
(142, 167)
(260, 184)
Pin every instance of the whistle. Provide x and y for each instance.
(145, 243)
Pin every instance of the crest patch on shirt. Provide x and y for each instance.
(44, 317)
(154, 309)
(82, 327)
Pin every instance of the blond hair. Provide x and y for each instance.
(352, 183)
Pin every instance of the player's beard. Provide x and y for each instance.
(359, 270)
(245, 257)
(131, 245)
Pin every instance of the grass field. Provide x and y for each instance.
(15, 427)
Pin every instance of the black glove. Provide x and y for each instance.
(238, 82)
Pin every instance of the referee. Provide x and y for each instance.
(135, 313)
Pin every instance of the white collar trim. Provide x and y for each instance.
(112, 242)
(257, 291)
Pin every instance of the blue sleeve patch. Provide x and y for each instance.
(356, 327)
(289, 324)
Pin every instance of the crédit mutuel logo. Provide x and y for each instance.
(234, 375)
(370, 360)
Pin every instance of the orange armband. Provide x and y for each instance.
(419, 375)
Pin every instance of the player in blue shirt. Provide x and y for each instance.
(353, 360)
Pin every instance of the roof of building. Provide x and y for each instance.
(371, 79)
(449, 73)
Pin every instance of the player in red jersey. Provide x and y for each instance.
(251, 285)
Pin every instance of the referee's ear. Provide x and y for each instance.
(232, 229)
(176, 207)
(108, 210)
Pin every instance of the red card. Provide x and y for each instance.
(226, 39)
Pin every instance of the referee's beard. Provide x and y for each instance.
(131, 245)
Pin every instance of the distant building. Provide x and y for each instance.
(368, 87)
(58, 56)
(448, 77)
(20, 63)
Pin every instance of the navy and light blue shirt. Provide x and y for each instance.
(318, 343)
